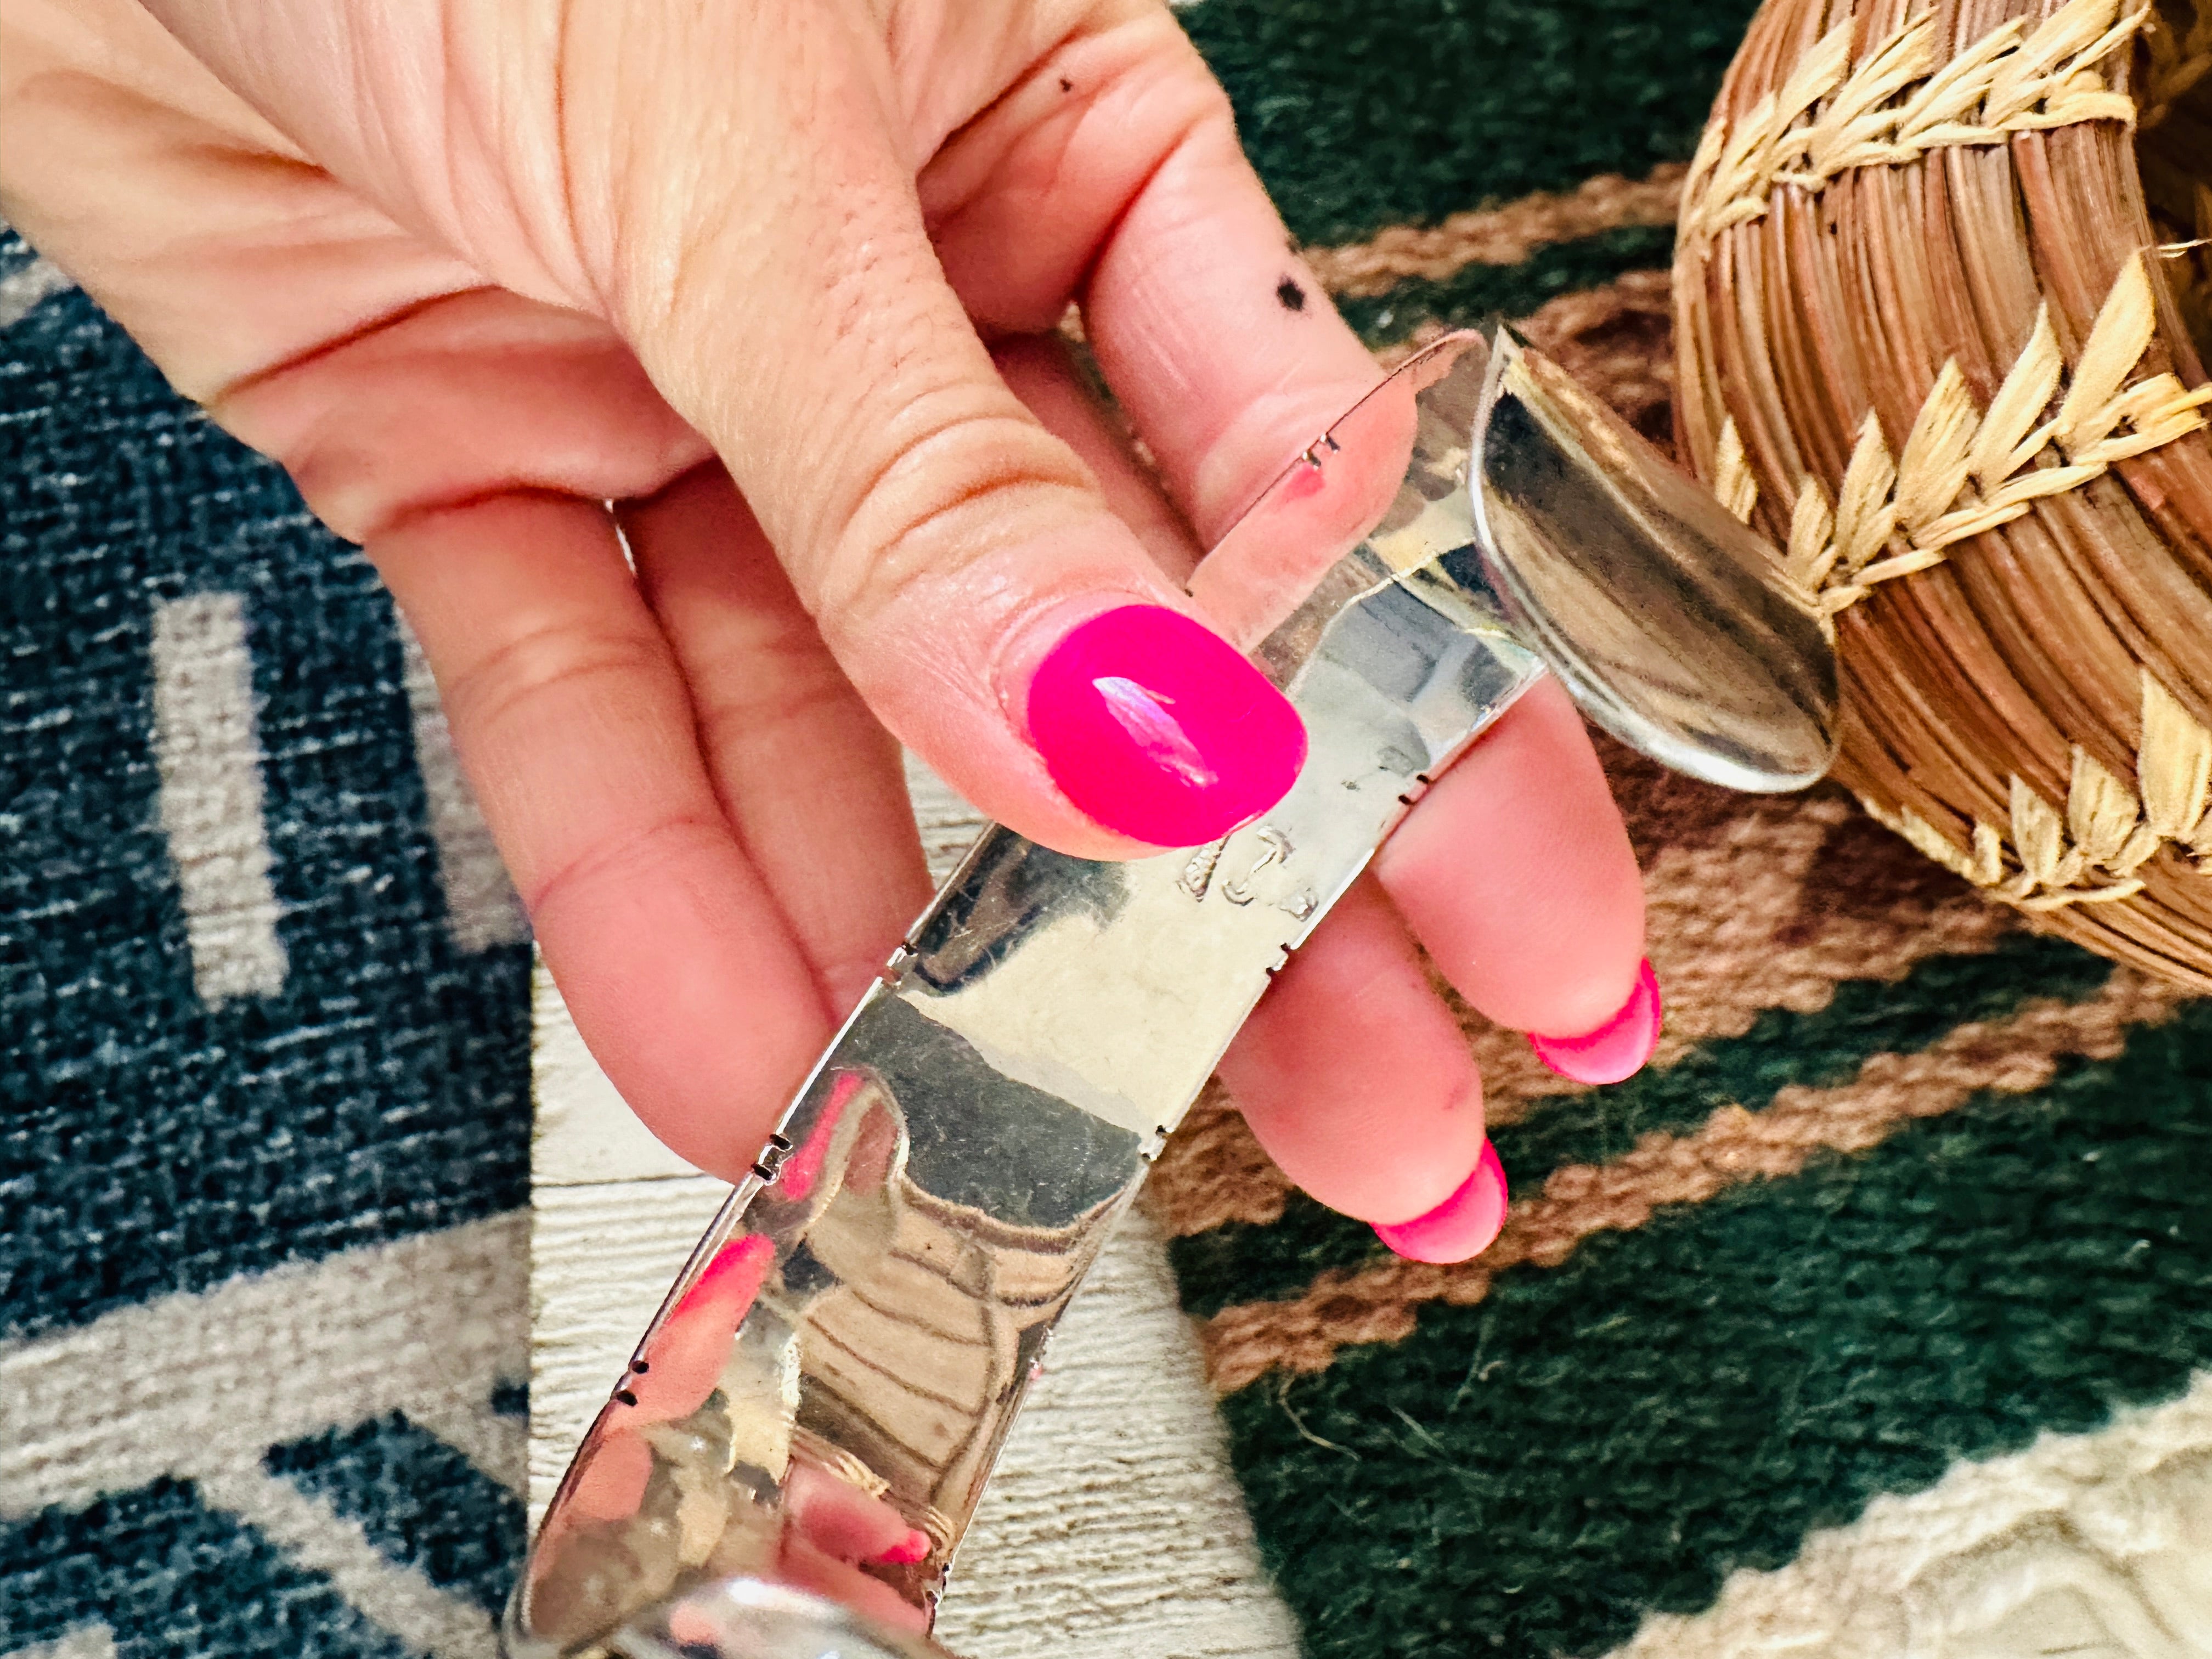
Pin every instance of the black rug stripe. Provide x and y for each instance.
(146, 1144)
(419, 1500)
(1479, 292)
(173, 1579)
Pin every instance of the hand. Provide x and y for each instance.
(779, 281)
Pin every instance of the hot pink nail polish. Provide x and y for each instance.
(914, 1547)
(1616, 1050)
(1155, 727)
(1460, 1227)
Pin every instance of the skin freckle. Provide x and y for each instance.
(1293, 297)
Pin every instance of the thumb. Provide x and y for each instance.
(780, 286)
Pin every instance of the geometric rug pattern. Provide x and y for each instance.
(1873, 1318)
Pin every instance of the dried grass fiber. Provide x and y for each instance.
(1939, 329)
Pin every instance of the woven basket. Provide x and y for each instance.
(1939, 326)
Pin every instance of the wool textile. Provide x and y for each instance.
(1873, 1318)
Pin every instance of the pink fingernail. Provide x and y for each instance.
(1616, 1050)
(1155, 727)
(1462, 1226)
(733, 1278)
(914, 1547)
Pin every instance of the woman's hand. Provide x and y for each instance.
(780, 281)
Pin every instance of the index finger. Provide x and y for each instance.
(1114, 174)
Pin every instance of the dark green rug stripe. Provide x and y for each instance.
(1820, 1050)
(418, 1500)
(1481, 292)
(1531, 1475)
(1363, 115)
(1241, 1262)
(172, 1578)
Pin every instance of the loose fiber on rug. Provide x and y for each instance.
(1873, 1319)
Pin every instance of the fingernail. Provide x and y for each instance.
(914, 1547)
(1616, 1050)
(1155, 727)
(1460, 1227)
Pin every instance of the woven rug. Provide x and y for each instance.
(1870, 1320)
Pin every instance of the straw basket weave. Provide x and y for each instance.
(1941, 320)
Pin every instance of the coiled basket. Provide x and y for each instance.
(1940, 312)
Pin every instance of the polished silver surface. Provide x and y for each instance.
(1663, 615)
(762, 1620)
(810, 1419)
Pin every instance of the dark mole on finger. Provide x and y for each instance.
(1292, 296)
(1066, 85)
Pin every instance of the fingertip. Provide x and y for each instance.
(687, 988)
(569, 708)
(1460, 1228)
(1618, 1049)
(1224, 347)
(1354, 1076)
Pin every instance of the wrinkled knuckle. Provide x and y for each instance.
(947, 499)
(547, 672)
(645, 854)
(777, 696)
(1157, 56)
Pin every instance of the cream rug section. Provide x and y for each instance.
(2095, 1546)
(1113, 1525)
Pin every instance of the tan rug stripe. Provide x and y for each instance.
(1616, 340)
(1778, 941)
(1787, 932)
(1379, 1303)
(1636, 298)
(1500, 236)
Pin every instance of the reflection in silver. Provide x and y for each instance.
(1609, 569)
(807, 1426)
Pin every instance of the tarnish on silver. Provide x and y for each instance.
(822, 1393)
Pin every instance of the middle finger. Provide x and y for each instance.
(1351, 1071)
(805, 775)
